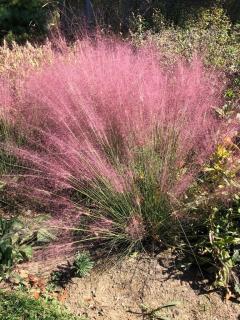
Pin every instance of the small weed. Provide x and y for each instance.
(81, 267)
(148, 313)
(82, 264)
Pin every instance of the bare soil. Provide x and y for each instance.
(120, 291)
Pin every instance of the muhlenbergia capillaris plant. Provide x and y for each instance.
(120, 135)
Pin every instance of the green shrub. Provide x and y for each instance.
(211, 34)
(23, 20)
(118, 14)
(214, 232)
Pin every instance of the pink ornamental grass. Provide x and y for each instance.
(113, 122)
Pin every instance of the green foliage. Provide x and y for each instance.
(218, 246)
(83, 264)
(18, 306)
(210, 33)
(14, 246)
(17, 238)
(23, 20)
(118, 14)
(178, 12)
(224, 241)
(214, 236)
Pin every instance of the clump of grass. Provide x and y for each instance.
(18, 306)
(122, 135)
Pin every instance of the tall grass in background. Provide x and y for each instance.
(119, 136)
(5, 105)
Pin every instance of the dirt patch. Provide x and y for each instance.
(132, 287)
(120, 291)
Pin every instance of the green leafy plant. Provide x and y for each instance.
(17, 239)
(83, 264)
(14, 245)
(224, 240)
(214, 236)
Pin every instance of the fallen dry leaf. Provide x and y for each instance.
(36, 295)
(63, 296)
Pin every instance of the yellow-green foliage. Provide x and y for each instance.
(19, 60)
(217, 199)
(212, 34)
